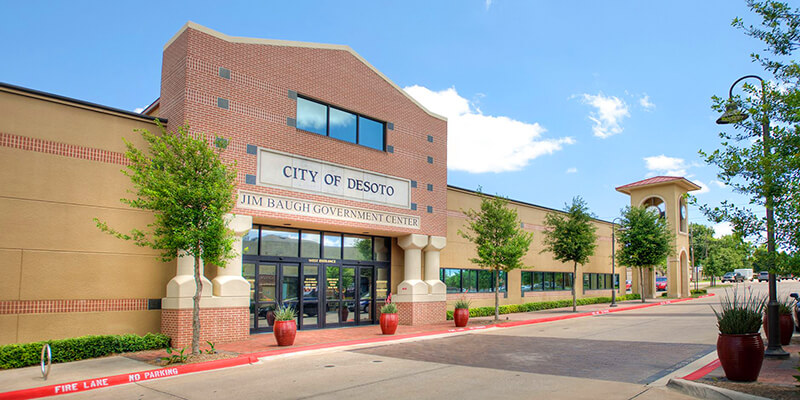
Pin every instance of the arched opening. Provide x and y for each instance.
(656, 205)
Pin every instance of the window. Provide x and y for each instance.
(357, 248)
(289, 242)
(470, 280)
(312, 116)
(280, 242)
(592, 281)
(540, 281)
(326, 120)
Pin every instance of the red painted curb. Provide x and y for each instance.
(96, 383)
(703, 371)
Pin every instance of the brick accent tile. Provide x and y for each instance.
(422, 313)
(217, 325)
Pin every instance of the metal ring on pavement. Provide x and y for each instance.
(46, 370)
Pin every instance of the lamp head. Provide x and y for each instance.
(731, 115)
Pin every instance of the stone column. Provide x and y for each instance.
(432, 251)
(224, 312)
(674, 284)
(229, 281)
(416, 304)
(182, 287)
(412, 286)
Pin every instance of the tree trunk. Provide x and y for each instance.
(497, 296)
(641, 282)
(574, 300)
(196, 306)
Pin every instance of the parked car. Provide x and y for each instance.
(732, 277)
(763, 276)
(661, 283)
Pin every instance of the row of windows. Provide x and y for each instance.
(470, 280)
(593, 281)
(286, 242)
(330, 121)
(540, 281)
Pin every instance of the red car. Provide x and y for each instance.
(661, 283)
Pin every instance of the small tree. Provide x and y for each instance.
(184, 182)
(499, 240)
(571, 237)
(644, 240)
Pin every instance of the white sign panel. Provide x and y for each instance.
(303, 174)
(288, 205)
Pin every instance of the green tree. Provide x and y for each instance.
(702, 236)
(499, 240)
(644, 239)
(571, 237)
(765, 167)
(184, 182)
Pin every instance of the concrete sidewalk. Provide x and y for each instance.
(264, 345)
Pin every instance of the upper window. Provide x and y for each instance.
(684, 217)
(326, 120)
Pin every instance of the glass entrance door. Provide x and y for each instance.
(322, 296)
(349, 295)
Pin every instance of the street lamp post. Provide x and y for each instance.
(613, 261)
(733, 115)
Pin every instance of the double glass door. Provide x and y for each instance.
(323, 296)
(349, 295)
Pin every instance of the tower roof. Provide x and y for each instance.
(659, 180)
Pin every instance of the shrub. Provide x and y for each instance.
(699, 292)
(284, 313)
(739, 314)
(463, 303)
(389, 308)
(80, 348)
(541, 305)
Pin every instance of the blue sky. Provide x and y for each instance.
(546, 99)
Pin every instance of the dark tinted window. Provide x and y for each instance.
(312, 116)
(370, 133)
(342, 125)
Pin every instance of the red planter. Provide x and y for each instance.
(389, 323)
(786, 327)
(741, 356)
(285, 332)
(461, 316)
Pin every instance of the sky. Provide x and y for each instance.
(546, 100)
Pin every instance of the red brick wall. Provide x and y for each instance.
(261, 77)
(422, 313)
(217, 325)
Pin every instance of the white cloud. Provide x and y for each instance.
(721, 229)
(608, 114)
(644, 101)
(663, 165)
(572, 170)
(703, 187)
(138, 110)
(488, 4)
(480, 143)
(719, 184)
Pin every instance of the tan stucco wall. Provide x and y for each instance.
(34, 327)
(50, 248)
(460, 250)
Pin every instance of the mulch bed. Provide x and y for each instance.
(770, 391)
